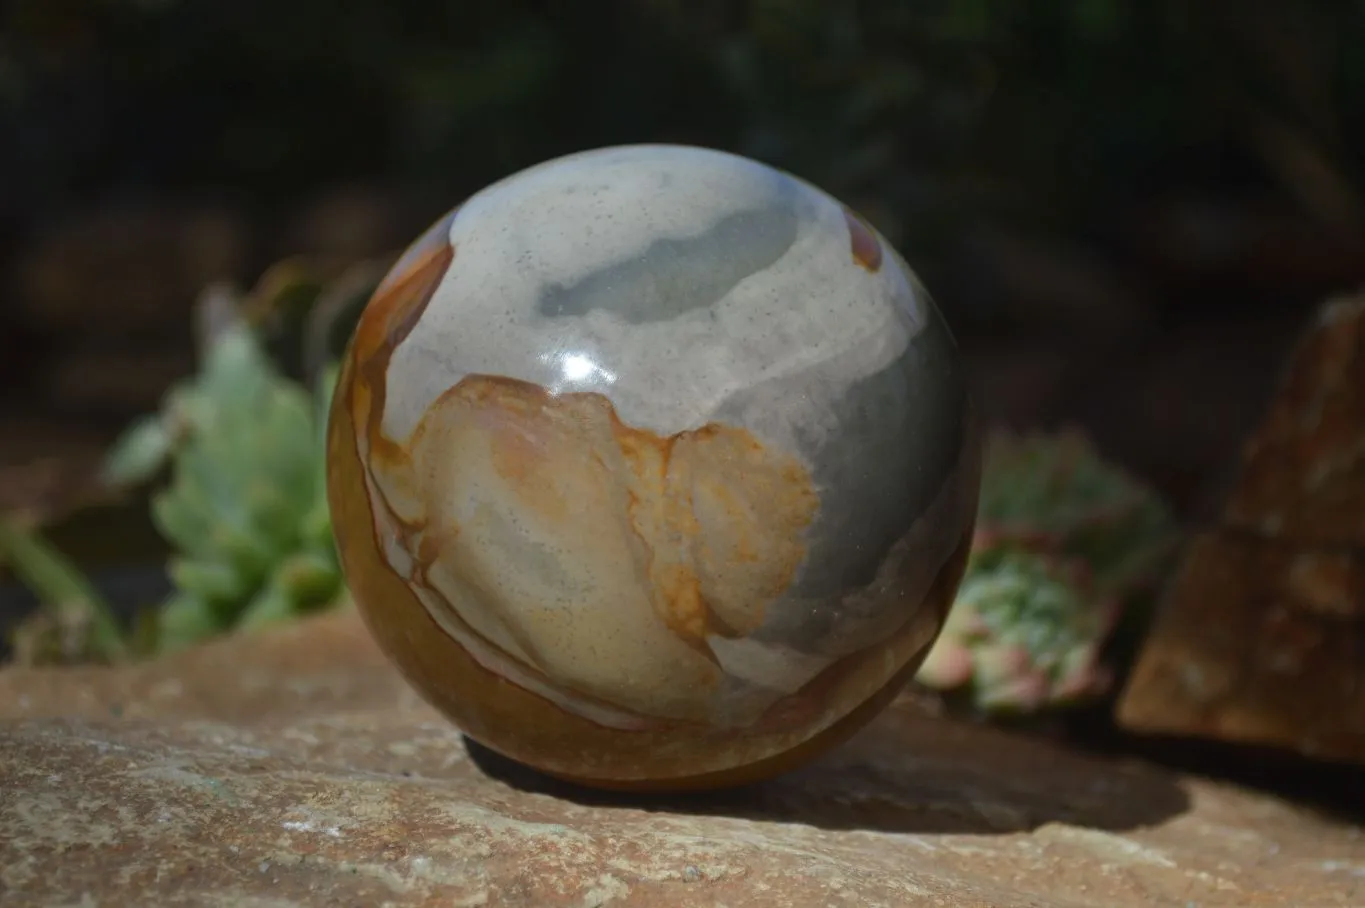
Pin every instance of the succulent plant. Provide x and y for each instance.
(1067, 548)
(245, 508)
(235, 462)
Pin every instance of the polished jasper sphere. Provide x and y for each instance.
(653, 467)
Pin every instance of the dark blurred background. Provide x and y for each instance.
(1126, 210)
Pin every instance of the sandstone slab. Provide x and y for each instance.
(296, 768)
(1261, 637)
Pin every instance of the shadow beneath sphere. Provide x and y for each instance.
(910, 773)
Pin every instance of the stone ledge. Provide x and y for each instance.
(296, 768)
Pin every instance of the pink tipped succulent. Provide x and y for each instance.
(1067, 545)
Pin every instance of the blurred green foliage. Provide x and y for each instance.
(921, 112)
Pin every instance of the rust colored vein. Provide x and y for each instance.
(867, 249)
(394, 311)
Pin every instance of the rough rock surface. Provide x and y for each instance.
(1261, 638)
(296, 768)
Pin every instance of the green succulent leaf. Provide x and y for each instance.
(207, 580)
(273, 605)
(139, 454)
(311, 580)
(184, 620)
